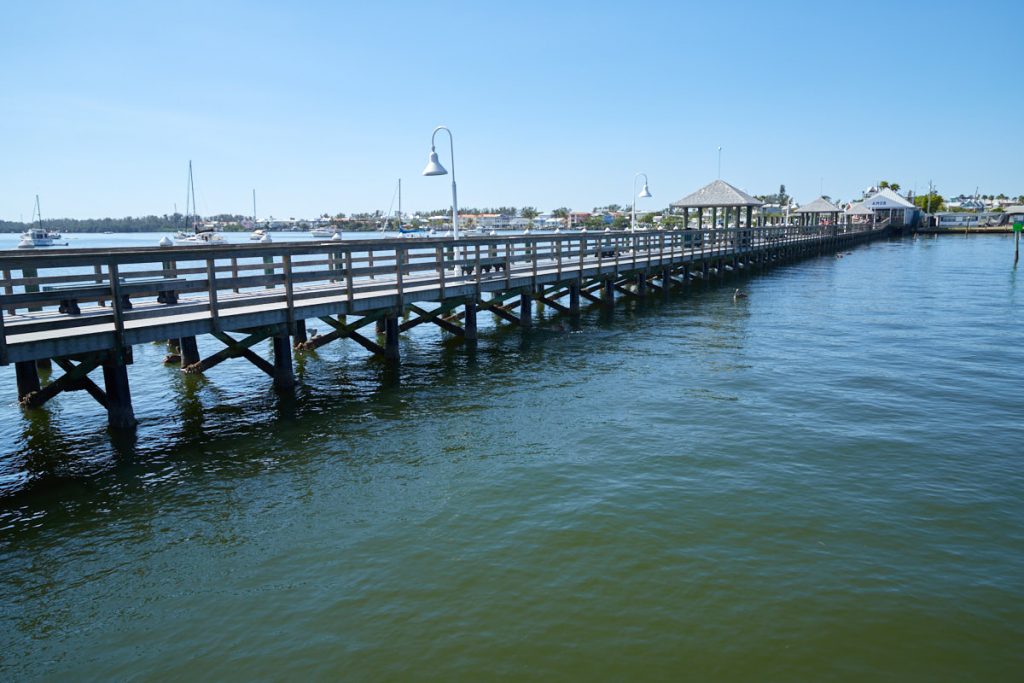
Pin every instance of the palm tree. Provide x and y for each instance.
(529, 213)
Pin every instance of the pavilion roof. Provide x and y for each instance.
(716, 193)
(859, 209)
(819, 205)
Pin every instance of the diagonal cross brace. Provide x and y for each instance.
(433, 317)
(69, 381)
(341, 330)
(234, 348)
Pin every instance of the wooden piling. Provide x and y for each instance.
(301, 336)
(120, 414)
(469, 324)
(284, 375)
(391, 351)
(189, 351)
(608, 291)
(574, 299)
(525, 310)
(27, 377)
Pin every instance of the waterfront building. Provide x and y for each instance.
(888, 205)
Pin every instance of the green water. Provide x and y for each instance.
(820, 482)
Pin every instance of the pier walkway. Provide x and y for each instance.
(84, 309)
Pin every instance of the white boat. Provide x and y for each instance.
(37, 236)
(200, 239)
(196, 237)
(322, 233)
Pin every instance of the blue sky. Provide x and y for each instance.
(321, 106)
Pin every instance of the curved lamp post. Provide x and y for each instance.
(644, 194)
(434, 167)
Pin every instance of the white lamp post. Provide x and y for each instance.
(644, 194)
(434, 167)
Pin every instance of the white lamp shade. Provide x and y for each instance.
(645, 193)
(434, 167)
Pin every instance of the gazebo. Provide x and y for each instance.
(811, 214)
(717, 195)
(858, 213)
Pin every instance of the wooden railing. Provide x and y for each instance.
(218, 277)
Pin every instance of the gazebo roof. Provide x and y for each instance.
(716, 193)
(859, 210)
(819, 205)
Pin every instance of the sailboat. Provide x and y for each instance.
(402, 230)
(257, 233)
(197, 237)
(36, 236)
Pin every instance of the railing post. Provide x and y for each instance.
(399, 267)
(117, 303)
(289, 292)
(439, 256)
(349, 294)
(211, 281)
(9, 289)
(3, 339)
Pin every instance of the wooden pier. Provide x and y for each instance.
(84, 309)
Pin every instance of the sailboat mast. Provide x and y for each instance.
(399, 204)
(39, 213)
(192, 187)
(254, 208)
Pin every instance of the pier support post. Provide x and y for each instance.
(641, 284)
(284, 376)
(189, 351)
(391, 351)
(525, 310)
(300, 333)
(608, 291)
(574, 299)
(469, 324)
(27, 376)
(120, 414)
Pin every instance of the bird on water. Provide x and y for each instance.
(737, 295)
